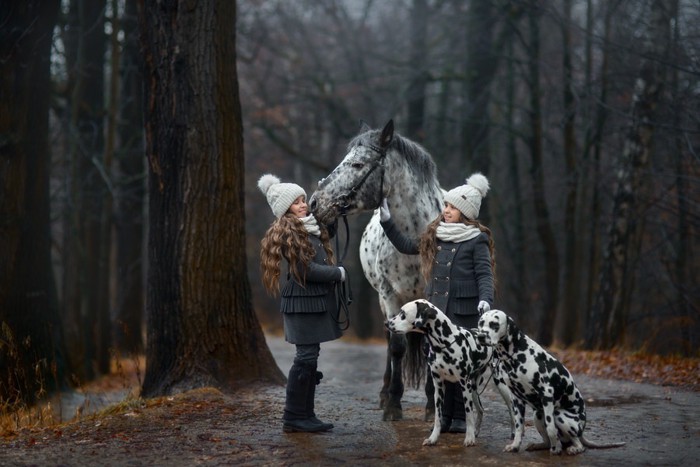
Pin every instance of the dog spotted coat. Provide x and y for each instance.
(455, 356)
(537, 379)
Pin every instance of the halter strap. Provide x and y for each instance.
(379, 162)
(343, 290)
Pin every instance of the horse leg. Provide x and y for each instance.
(430, 403)
(384, 393)
(397, 349)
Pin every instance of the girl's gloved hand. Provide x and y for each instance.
(483, 307)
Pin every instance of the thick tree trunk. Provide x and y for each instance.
(201, 326)
(31, 344)
(608, 324)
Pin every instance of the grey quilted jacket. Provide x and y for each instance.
(310, 311)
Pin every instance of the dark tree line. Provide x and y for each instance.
(104, 97)
(544, 97)
(126, 198)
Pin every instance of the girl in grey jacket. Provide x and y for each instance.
(308, 304)
(458, 263)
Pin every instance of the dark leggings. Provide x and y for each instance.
(307, 354)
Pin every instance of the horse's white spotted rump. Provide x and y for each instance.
(382, 164)
(539, 380)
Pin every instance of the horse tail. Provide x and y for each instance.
(414, 360)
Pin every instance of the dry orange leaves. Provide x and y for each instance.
(683, 372)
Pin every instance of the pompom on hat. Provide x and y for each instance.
(280, 196)
(467, 198)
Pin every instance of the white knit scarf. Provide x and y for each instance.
(311, 225)
(456, 232)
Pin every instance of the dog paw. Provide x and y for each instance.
(429, 442)
(511, 448)
(573, 450)
(470, 441)
(555, 450)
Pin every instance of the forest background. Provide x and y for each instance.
(582, 113)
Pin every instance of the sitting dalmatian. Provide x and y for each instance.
(539, 380)
(454, 355)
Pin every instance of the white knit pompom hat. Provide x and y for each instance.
(467, 198)
(279, 195)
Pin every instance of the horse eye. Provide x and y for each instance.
(357, 165)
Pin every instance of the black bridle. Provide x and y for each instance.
(343, 290)
(378, 162)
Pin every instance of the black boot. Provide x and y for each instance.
(459, 424)
(447, 407)
(296, 419)
(310, 397)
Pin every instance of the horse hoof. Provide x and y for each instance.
(392, 415)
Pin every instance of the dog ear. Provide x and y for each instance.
(424, 312)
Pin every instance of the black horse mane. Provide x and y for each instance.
(416, 158)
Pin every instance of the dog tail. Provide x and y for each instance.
(592, 445)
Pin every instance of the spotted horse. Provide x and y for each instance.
(383, 164)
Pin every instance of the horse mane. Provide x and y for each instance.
(415, 157)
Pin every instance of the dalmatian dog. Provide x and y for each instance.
(454, 355)
(539, 380)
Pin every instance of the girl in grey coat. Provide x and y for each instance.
(457, 260)
(308, 304)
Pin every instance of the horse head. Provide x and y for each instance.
(357, 184)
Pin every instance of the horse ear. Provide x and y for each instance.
(387, 134)
(364, 127)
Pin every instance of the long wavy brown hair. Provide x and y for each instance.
(427, 246)
(287, 238)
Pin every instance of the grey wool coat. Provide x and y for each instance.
(310, 311)
(461, 275)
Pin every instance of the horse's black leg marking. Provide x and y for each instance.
(397, 349)
(384, 393)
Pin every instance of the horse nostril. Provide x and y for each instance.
(312, 204)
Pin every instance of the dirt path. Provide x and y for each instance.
(661, 426)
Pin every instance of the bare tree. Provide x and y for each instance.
(571, 271)
(201, 326)
(419, 73)
(550, 288)
(608, 319)
(31, 344)
(129, 212)
(85, 304)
